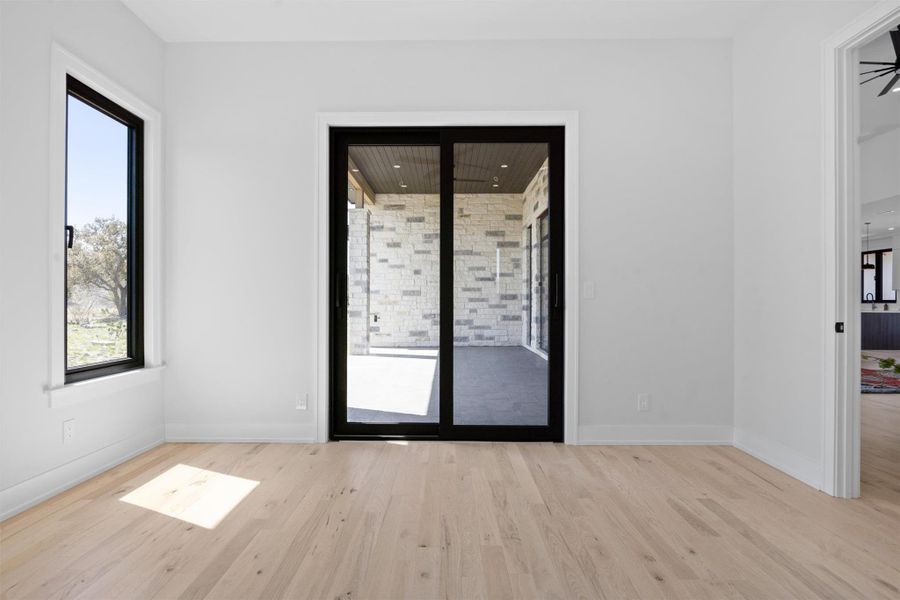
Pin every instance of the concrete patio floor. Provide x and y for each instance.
(500, 385)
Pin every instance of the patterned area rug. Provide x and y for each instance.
(880, 374)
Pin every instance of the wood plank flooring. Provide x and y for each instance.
(464, 520)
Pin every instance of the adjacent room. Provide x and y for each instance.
(879, 171)
(434, 299)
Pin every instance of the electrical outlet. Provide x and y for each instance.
(68, 431)
(643, 402)
(302, 401)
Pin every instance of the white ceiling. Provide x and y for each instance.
(368, 20)
(879, 124)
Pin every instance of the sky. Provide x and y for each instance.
(96, 165)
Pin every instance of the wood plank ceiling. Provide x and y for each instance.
(479, 167)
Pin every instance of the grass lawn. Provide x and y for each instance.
(99, 342)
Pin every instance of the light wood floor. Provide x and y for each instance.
(429, 520)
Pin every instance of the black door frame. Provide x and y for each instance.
(445, 137)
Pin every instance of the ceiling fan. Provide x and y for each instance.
(886, 68)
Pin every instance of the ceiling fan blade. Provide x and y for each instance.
(869, 62)
(876, 77)
(895, 40)
(881, 70)
(890, 85)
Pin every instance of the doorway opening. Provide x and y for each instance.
(846, 235)
(441, 243)
(878, 169)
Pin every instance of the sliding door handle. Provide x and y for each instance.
(70, 236)
(340, 291)
(556, 291)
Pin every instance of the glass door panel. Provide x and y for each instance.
(500, 358)
(393, 283)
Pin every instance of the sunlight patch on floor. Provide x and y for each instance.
(193, 495)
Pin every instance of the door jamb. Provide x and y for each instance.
(841, 414)
(567, 119)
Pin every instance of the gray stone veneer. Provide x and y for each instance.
(394, 262)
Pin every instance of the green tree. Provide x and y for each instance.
(98, 259)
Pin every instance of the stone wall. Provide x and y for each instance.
(358, 281)
(404, 263)
(394, 269)
(535, 203)
(487, 232)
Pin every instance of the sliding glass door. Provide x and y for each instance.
(446, 283)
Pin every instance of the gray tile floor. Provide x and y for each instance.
(504, 385)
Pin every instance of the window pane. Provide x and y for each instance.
(393, 284)
(887, 276)
(97, 209)
(500, 272)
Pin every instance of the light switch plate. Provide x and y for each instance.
(68, 431)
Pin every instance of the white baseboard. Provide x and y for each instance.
(30, 492)
(290, 433)
(781, 457)
(645, 435)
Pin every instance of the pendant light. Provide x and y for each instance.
(867, 265)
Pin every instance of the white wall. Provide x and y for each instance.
(33, 460)
(778, 234)
(656, 159)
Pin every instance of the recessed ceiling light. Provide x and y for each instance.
(495, 185)
(403, 185)
(891, 228)
(396, 166)
(355, 170)
(503, 166)
(896, 89)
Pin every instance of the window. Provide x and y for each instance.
(877, 282)
(104, 236)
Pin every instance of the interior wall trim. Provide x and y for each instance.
(264, 433)
(62, 64)
(35, 490)
(781, 457)
(655, 435)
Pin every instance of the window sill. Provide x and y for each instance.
(81, 391)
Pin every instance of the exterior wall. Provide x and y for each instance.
(535, 203)
(487, 304)
(358, 282)
(404, 286)
(403, 267)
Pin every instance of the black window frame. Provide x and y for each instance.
(879, 272)
(135, 237)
